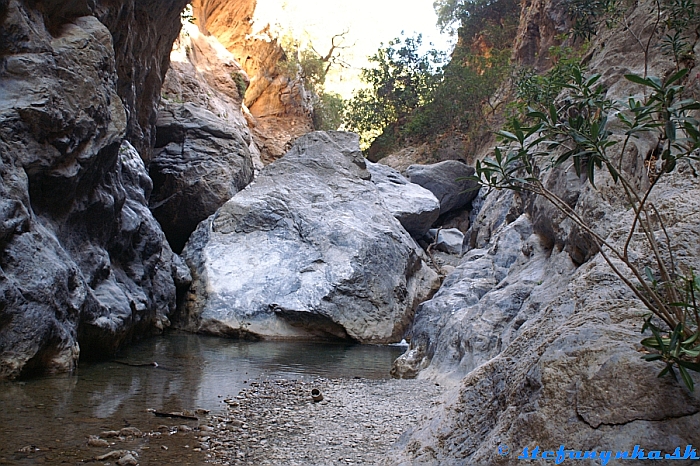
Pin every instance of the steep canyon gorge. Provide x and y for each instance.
(162, 173)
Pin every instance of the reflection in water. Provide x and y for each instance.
(112, 398)
(56, 414)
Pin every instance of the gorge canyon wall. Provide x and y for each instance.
(84, 264)
(93, 133)
(539, 339)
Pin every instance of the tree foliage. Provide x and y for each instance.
(417, 96)
(305, 63)
(470, 17)
(401, 80)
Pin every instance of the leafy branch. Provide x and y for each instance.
(576, 132)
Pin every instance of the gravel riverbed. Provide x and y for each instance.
(276, 422)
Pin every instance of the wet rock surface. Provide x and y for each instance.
(308, 250)
(277, 422)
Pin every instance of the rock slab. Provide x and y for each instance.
(444, 180)
(414, 206)
(308, 250)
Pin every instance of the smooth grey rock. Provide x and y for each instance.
(414, 206)
(476, 304)
(448, 240)
(441, 179)
(542, 352)
(308, 250)
(199, 163)
(84, 266)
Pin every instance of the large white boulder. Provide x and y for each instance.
(308, 250)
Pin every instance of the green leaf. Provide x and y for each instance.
(693, 105)
(670, 130)
(674, 346)
(591, 172)
(650, 275)
(592, 80)
(660, 341)
(638, 80)
(651, 342)
(690, 353)
(537, 115)
(676, 76)
(668, 369)
(652, 357)
(693, 366)
(576, 73)
(670, 166)
(624, 119)
(692, 339)
(687, 379)
(507, 135)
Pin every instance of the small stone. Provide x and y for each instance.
(130, 431)
(94, 441)
(127, 460)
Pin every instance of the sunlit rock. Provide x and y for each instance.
(308, 250)
(414, 206)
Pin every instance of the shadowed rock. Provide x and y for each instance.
(83, 264)
(199, 164)
(444, 180)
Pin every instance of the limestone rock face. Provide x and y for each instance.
(83, 264)
(199, 165)
(441, 179)
(142, 33)
(308, 250)
(280, 108)
(414, 206)
(204, 151)
(544, 353)
(203, 73)
(449, 240)
(538, 335)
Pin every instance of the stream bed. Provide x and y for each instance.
(48, 420)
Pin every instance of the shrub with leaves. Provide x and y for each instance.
(401, 80)
(305, 63)
(587, 15)
(576, 131)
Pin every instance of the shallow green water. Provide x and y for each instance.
(50, 418)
